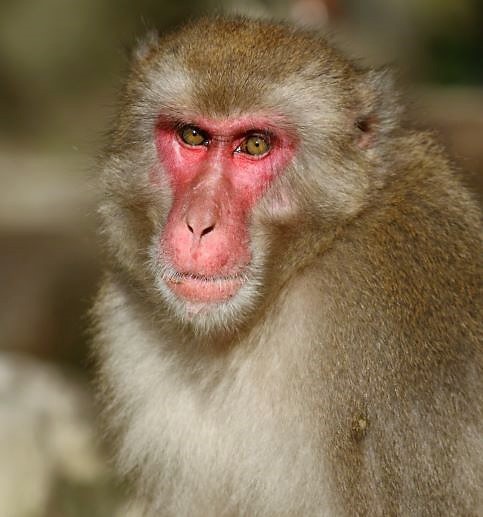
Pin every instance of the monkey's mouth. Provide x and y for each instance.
(204, 289)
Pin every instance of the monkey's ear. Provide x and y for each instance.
(146, 46)
(380, 109)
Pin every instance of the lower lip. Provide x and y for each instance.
(205, 291)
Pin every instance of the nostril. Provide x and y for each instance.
(208, 230)
(195, 229)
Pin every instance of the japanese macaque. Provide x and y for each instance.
(290, 320)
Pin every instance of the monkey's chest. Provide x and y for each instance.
(239, 445)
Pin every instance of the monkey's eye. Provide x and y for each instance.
(191, 135)
(255, 145)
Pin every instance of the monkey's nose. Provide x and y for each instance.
(201, 218)
(203, 231)
(200, 227)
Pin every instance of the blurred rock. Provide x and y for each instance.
(48, 259)
(46, 191)
(50, 464)
(48, 281)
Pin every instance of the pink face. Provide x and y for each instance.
(218, 170)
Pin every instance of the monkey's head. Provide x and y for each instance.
(236, 142)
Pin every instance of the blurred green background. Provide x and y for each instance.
(61, 63)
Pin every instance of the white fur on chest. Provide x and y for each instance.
(229, 441)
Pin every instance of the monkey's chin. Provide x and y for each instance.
(209, 304)
(205, 290)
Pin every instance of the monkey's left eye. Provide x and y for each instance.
(255, 145)
(191, 135)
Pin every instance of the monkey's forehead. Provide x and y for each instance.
(246, 47)
(231, 65)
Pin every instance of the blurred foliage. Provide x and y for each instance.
(71, 499)
(455, 51)
(56, 56)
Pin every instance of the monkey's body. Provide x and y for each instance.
(351, 381)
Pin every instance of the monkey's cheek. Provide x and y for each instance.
(205, 291)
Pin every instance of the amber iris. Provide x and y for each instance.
(191, 135)
(256, 145)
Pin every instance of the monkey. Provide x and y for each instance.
(289, 322)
